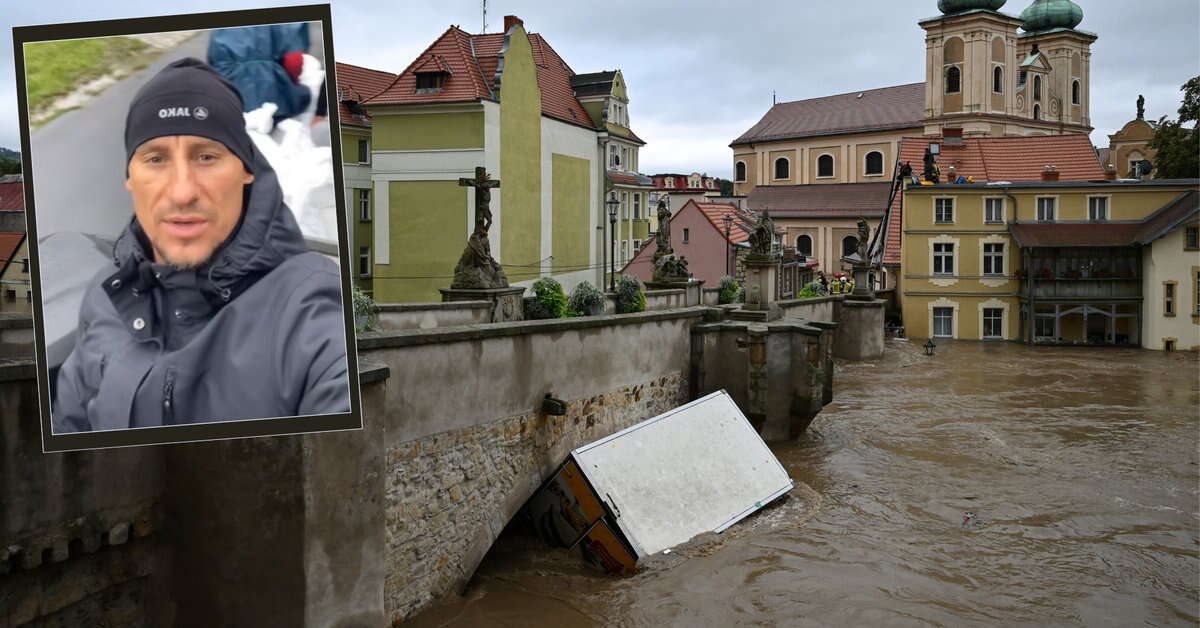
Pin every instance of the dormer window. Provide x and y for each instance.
(431, 82)
(432, 73)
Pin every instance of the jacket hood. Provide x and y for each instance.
(266, 235)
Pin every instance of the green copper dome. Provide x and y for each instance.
(1044, 15)
(958, 6)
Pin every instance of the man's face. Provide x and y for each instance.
(187, 195)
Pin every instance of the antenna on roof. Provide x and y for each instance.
(484, 17)
(773, 101)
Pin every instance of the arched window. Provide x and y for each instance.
(849, 245)
(782, 168)
(874, 163)
(825, 166)
(804, 245)
(740, 171)
(953, 79)
(1074, 92)
(1037, 88)
(998, 80)
(1037, 112)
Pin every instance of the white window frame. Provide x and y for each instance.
(624, 205)
(669, 182)
(943, 256)
(745, 168)
(833, 169)
(637, 245)
(882, 166)
(364, 204)
(637, 206)
(999, 221)
(364, 255)
(992, 256)
(364, 141)
(1170, 298)
(1107, 208)
(775, 168)
(998, 317)
(938, 200)
(948, 316)
(1037, 203)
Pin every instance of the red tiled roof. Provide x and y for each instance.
(1028, 234)
(988, 159)
(465, 82)
(9, 243)
(12, 197)
(621, 177)
(472, 61)
(358, 83)
(818, 200)
(716, 212)
(882, 108)
(554, 79)
(630, 135)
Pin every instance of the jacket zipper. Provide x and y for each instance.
(169, 397)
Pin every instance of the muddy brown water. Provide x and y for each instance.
(1080, 464)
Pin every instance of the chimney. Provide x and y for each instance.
(1110, 173)
(1050, 173)
(511, 21)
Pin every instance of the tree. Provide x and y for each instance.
(10, 166)
(726, 186)
(1177, 148)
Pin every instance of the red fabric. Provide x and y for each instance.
(293, 62)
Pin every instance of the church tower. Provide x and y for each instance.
(988, 79)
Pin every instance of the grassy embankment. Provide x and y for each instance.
(54, 69)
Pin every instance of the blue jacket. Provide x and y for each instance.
(256, 332)
(250, 57)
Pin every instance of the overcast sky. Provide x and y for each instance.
(702, 72)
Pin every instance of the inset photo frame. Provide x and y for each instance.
(187, 229)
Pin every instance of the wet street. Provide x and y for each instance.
(1079, 466)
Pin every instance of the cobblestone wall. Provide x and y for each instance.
(450, 494)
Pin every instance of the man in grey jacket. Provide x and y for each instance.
(214, 309)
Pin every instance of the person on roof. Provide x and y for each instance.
(213, 308)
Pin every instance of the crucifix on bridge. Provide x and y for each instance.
(483, 198)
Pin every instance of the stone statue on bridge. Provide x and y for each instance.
(762, 237)
(864, 241)
(476, 268)
(668, 267)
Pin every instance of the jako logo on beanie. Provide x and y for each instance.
(182, 112)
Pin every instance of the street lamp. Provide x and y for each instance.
(612, 203)
(728, 223)
(929, 347)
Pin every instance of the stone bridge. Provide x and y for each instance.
(365, 527)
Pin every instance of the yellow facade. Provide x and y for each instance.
(15, 287)
(960, 283)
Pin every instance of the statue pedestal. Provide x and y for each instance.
(862, 284)
(860, 329)
(693, 289)
(761, 280)
(506, 302)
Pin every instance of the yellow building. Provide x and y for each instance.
(16, 291)
(1052, 262)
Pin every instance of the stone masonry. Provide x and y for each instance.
(449, 495)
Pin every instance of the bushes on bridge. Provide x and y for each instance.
(548, 301)
(629, 295)
(731, 291)
(586, 300)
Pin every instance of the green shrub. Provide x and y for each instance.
(809, 291)
(586, 300)
(629, 295)
(549, 300)
(731, 291)
(365, 311)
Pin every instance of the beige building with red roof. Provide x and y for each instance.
(982, 78)
(1043, 246)
(16, 291)
(509, 103)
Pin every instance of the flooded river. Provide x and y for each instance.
(1080, 467)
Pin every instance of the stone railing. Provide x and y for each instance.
(431, 315)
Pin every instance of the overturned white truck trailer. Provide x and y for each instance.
(698, 468)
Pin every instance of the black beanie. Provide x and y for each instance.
(189, 97)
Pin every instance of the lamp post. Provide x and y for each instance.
(728, 224)
(929, 347)
(612, 203)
